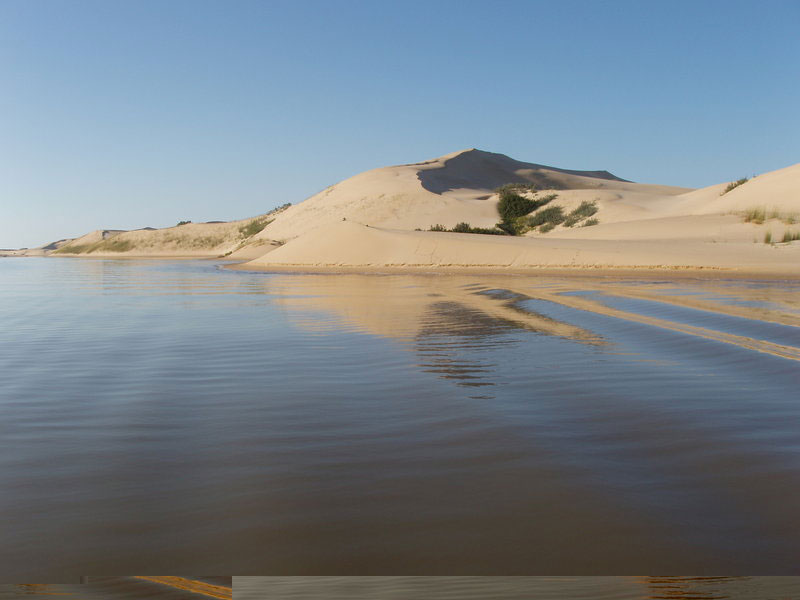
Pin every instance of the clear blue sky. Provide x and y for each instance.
(124, 114)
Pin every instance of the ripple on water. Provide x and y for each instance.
(353, 424)
(518, 588)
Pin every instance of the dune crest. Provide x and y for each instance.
(447, 190)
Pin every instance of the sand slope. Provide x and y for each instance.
(348, 244)
(188, 240)
(641, 226)
(777, 190)
(454, 188)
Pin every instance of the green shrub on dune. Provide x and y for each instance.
(520, 214)
(467, 228)
(253, 227)
(516, 187)
(734, 184)
(513, 208)
(585, 210)
(550, 216)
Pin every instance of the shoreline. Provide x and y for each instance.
(709, 272)
(605, 271)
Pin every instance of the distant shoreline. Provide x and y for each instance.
(715, 272)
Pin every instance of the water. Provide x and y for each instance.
(125, 588)
(171, 415)
(516, 588)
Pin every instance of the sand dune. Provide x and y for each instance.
(348, 244)
(454, 188)
(186, 240)
(381, 218)
(777, 190)
(641, 226)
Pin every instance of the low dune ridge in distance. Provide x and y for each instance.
(187, 239)
(383, 217)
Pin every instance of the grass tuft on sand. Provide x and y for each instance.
(734, 184)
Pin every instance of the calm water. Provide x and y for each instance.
(169, 415)
(124, 588)
(516, 588)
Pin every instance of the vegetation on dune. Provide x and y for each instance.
(760, 215)
(547, 227)
(755, 215)
(547, 218)
(116, 245)
(768, 237)
(520, 214)
(217, 233)
(516, 187)
(790, 236)
(513, 208)
(279, 209)
(584, 211)
(110, 245)
(205, 242)
(467, 228)
(734, 184)
(73, 249)
(256, 225)
(253, 227)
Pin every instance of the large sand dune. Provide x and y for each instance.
(381, 218)
(355, 224)
(454, 188)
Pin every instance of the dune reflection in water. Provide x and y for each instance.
(372, 424)
(517, 588)
(126, 588)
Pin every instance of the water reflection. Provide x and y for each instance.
(444, 317)
(517, 588)
(34, 589)
(126, 588)
(448, 330)
(722, 588)
(351, 424)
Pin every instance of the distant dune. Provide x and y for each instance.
(382, 217)
(200, 240)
